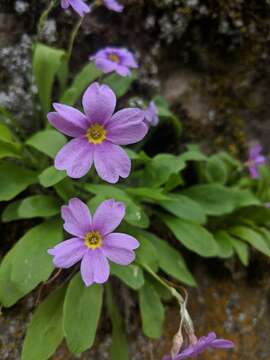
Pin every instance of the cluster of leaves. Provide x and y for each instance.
(218, 212)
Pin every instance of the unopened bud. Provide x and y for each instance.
(177, 343)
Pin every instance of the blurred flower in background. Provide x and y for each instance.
(254, 160)
(115, 59)
(113, 5)
(151, 114)
(77, 5)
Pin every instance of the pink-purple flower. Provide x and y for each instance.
(205, 342)
(113, 5)
(115, 59)
(77, 5)
(255, 159)
(94, 242)
(97, 135)
(151, 114)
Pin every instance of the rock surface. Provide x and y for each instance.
(237, 309)
(210, 60)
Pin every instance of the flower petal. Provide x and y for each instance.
(126, 127)
(128, 59)
(113, 5)
(68, 253)
(87, 268)
(80, 7)
(72, 115)
(111, 161)
(118, 255)
(105, 65)
(64, 4)
(254, 174)
(76, 157)
(119, 240)
(260, 160)
(101, 266)
(122, 70)
(222, 344)
(66, 127)
(255, 151)
(99, 102)
(108, 216)
(77, 217)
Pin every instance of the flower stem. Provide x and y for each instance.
(172, 290)
(187, 321)
(73, 37)
(44, 17)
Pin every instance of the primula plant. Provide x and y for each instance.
(119, 207)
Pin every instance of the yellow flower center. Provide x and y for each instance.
(93, 240)
(114, 57)
(96, 134)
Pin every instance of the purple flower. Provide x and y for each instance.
(205, 342)
(113, 5)
(111, 59)
(98, 134)
(94, 241)
(151, 114)
(77, 5)
(255, 159)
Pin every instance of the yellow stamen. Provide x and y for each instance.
(113, 57)
(93, 240)
(96, 134)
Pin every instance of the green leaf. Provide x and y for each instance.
(82, 308)
(171, 262)
(193, 154)
(9, 150)
(215, 199)
(163, 107)
(14, 179)
(241, 250)
(8, 146)
(135, 214)
(49, 142)
(65, 189)
(253, 237)
(266, 234)
(51, 176)
(193, 236)
(162, 166)
(6, 134)
(147, 193)
(257, 214)
(119, 348)
(184, 208)
(9, 294)
(131, 275)
(146, 254)
(33, 206)
(224, 243)
(216, 170)
(46, 63)
(120, 84)
(28, 263)
(81, 81)
(244, 197)
(152, 311)
(45, 331)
